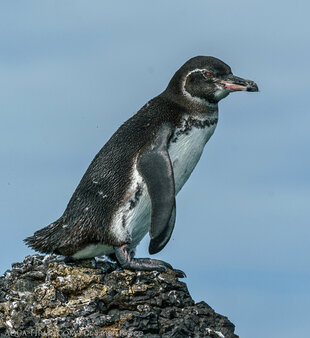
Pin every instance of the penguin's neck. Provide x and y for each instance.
(195, 106)
(199, 115)
(200, 109)
(199, 104)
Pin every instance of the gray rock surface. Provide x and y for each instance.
(39, 297)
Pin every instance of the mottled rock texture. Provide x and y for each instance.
(39, 297)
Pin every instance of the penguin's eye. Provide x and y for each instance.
(207, 74)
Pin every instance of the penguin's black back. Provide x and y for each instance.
(103, 187)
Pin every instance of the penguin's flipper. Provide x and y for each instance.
(156, 168)
(160, 239)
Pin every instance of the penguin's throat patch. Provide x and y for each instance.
(189, 123)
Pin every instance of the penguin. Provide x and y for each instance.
(129, 189)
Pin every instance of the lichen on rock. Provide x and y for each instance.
(41, 297)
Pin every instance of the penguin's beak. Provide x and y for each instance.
(234, 83)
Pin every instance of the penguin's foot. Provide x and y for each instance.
(126, 261)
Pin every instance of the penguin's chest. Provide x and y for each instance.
(185, 149)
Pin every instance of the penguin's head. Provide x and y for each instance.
(206, 79)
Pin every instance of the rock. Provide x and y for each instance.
(43, 296)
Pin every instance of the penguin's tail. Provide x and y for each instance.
(45, 240)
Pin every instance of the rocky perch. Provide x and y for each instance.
(39, 297)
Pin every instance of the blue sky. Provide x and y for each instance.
(71, 72)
